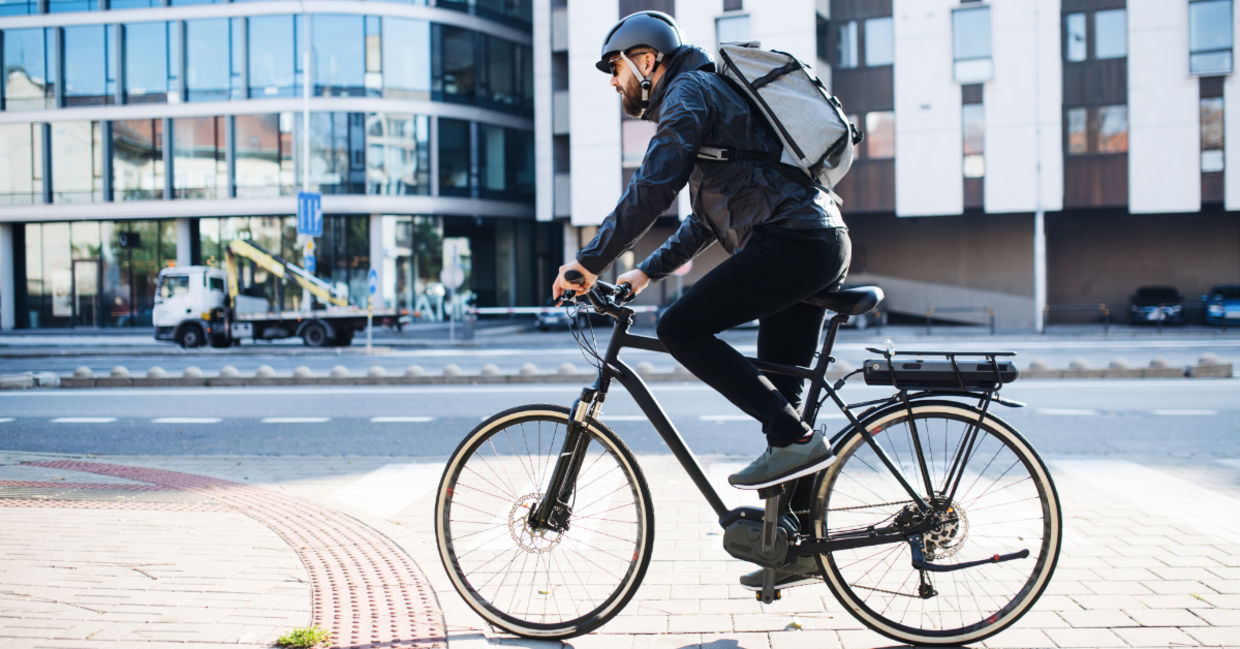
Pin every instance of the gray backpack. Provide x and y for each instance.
(818, 139)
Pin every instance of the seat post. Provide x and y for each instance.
(833, 327)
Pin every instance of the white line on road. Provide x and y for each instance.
(400, 420)
(83, 420)
(1069, 412)
(624, 417)
(721, 418)
(1186, 412)
(186, 420)
(295, 420)
(5, 420)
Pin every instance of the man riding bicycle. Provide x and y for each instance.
(786, 239)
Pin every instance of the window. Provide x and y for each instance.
(879, 49)
(822, 37)
(1211, 134)
(272, 55)
(339, 55)
(732, 29)
(90, 54)
(880, 134)
(56, 6)
(1097, 130)
(18, 7)
(198, 164)
(138, 159)
(491, 147)
(77, 162)
(1209, 37)
(846, 45)
(973, 122)
(397, 154)
(1075, 43)
(21, 164)
(971, 44)
(264, 153)
(453, 157)
(374, 58)
(173, 285)
(337, 152)
(406, 57)
(146, 62)
(1111, 34)
(208, 66)
(501, 71)
(27, 82)
(1112, 129)
(455, 78)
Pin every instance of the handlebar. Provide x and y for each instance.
(604, 297)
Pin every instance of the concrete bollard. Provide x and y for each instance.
(1209, 367)
(83, 372)
(156, 372)
(119, 372)
(567, 369)
(339, 372)
(229, 372)
(302, 372)
(1120, 368)
(1040, 369)
(645, 368)
(452, 369)
(1161, 369)
(415, 371)
(265, 372)
(192, 372)
(528, 369)
(376, 371)
(490, 369)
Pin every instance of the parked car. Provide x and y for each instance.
(1156, 304)
(1222, 304)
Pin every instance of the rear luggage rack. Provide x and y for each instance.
(960, 370)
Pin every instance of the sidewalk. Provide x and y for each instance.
(155, 552)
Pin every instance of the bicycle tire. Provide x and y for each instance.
(1006, 502)
(581, 577)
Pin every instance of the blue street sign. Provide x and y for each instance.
(310, 263)
(310, 214)
(373, 280)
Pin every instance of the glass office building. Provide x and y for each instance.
(138, 134)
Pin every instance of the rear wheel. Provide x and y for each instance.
(190, 336)
(1003, 503)
(541, 583)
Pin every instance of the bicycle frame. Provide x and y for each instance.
(553, 512)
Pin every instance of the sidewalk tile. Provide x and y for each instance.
(1017, 638)
(805, 640)
(1085, 638)
(1217, 636)
(1155, 637)
(1218, 616)
(1096, 619)
(738, 640)
(699, 623)
(1153, 617)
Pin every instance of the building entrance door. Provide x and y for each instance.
(85, 293)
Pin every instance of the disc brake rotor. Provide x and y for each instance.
(530, 540)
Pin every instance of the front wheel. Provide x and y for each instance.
(542, 583)
(1000, 503)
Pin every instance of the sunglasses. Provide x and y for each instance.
(614, 63)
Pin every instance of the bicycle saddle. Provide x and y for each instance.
(849, 301)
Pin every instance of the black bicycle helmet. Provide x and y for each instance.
(654, 29)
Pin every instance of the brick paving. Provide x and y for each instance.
(1150, 559)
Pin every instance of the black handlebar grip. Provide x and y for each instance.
(574, 277)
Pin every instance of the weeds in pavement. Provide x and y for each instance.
(304, 638)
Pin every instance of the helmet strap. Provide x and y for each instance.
(644, 80)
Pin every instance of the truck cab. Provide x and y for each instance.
(184, 300)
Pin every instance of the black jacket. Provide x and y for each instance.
(693, 107)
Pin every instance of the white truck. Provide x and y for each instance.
(200, 305)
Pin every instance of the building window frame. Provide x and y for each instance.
(972, 51)
(1212, 56)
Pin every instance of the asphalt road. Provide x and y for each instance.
(1179, 418)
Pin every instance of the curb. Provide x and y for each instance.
(1206, 368)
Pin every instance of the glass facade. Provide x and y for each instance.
(102, 273)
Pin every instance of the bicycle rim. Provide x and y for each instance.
(542, 584)
(1005, 502)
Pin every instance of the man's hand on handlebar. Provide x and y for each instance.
(581, 280)
(637, 281)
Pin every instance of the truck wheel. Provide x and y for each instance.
(190, 337)
(314, 335)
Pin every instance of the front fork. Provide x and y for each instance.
(555, 508)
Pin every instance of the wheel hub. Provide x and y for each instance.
(949, 532)
(535, 541)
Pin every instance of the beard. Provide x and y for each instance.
(631, 98)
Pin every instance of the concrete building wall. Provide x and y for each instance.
(1023, 123)
(1164, 119)
(594, 115)
(929, 167)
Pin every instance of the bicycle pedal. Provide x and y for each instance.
(776, 596)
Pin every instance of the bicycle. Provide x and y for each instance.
(938, 524)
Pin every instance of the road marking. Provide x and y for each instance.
(1186, 412)
(624, 417)
(391, 488)
(1069, 412)
(295, 420)
(186, 420)
(400, 420)
(722, 418)
(83, 420)
(5, 420)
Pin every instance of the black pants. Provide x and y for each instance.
(766, 280)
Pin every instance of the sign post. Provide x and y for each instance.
(372, 280)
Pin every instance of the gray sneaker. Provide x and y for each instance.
(802, 572)
(783, 463)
